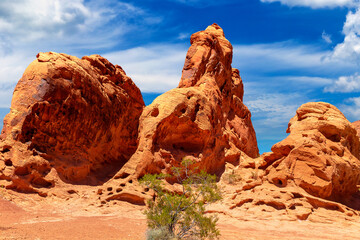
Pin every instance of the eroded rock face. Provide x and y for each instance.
(356, 125)
(204, 119)
(321, 154)
(311, 175)
(78, 116)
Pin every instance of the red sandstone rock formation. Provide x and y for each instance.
(76, 116)
(356, 125)
(78, 121)
(321, 154)
(311, 173)
(204, 119)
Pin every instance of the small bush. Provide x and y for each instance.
(233, 178)
(181, 216)
(254, 175)
(159, 233)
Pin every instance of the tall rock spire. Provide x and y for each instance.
(204, 119)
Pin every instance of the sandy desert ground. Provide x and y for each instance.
(69, 219)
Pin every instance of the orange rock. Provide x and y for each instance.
(78, 121)
(313, 171)
(356, 125)
(321, 154)
(79, 116)
(204, 119)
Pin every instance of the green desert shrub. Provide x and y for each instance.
(233, 178)
(182, 215)
(159, 233)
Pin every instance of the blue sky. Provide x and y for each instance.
(289, 52)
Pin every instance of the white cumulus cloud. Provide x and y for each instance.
(349, 49)
(345, 84)
(76, 27)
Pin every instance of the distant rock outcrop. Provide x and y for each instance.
(76, 116)
(204, 119)
(321, 154)
(316, 169)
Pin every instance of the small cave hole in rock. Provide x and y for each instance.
(187, 146)
(297, 195)
(334, 137)
(5, 150)
(279, 183)
(130, 181)
(183, 110)
(8, 163)
(21, 171)
(155, 112)
(118, 190)
(40, 182)
(122, 185)
(196, 110)
(124, 175)
(146, 189)
(109, 188)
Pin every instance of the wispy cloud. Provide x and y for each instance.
(351, 108)
(326, 37)
(183, 36)
(11, 68)
(203, 3)
(155, 68)
(278, 56)
(276, 109)
(271, 113)
(303, 61)
(315, 3)
(71, 21)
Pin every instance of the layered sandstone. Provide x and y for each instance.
(321, 154)
(70, 117)
(204, 119)
(312, 174)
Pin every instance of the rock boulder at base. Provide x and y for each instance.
(321, 154)
(77, 116)
(204, 119)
